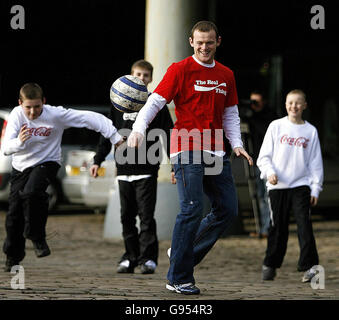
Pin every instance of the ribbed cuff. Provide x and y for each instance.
(115, 138)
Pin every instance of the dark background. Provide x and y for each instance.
(76, 49)
(73, 49)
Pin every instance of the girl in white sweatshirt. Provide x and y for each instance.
(290, 159)
(33, 138)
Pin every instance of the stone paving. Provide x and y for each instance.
(82, 267)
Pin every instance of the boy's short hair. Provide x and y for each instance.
(31, 91)
(142, 64)
(205, 26)
(297, 91)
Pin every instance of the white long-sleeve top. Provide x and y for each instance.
(155, 102)
(292, 152)
(46, 133)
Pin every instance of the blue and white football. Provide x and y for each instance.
(128, 94)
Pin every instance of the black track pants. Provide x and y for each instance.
(283, 201)
(139, 198)
(28, 207)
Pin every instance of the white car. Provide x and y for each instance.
(81, 187)
(5, 161)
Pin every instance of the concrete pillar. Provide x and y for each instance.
(168, 26)
(167, 208)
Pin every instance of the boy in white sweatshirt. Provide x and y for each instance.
(33, 138)
(290, 159)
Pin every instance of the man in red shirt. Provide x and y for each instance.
(205, 98)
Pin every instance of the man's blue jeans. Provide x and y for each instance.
(193, 236)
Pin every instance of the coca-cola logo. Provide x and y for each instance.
(298, 142)
(40, 131)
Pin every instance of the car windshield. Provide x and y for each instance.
(85, 138)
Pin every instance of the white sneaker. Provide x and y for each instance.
(169, 252)
(148, 267)
(151, 264)
(124, 263)
(186, 288)
(125, 267)
(309, 274)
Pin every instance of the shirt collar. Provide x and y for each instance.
(207, 65)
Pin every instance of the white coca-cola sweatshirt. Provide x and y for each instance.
(46, 133)
(292, 152)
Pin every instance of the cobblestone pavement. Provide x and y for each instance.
(82, 266)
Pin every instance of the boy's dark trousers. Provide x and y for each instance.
(282, 201)
(139, 198)
(28, 207)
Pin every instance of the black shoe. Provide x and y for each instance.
(10, 262)
(125, 267)
(41, 248)
(268, 273)
(186, 288)
(148, 267)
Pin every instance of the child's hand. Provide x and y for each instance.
(173, 179)
(241, 152)
(314, 201)
(135, 139)
(273, 179)
(93, 170)
(123, 139)
(24, 133)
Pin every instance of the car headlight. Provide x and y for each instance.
(72, 170)
(101, 171)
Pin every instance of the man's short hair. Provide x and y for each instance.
(259, 92)
(205, 26)
(31, 91)
(142, 64)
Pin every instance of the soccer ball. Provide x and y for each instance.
(128, 94)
